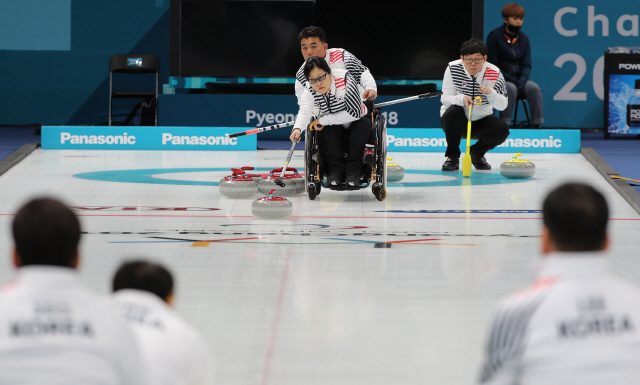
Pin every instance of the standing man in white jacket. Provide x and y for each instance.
(52, 329)
(313, 42)
(471, 80)
(577, 323)
(172, 350)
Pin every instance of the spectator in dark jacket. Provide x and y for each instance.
(510, 50)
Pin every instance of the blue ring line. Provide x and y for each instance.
(145, 176)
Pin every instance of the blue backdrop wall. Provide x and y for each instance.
(54, 54)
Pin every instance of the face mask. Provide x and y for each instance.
(513, 28)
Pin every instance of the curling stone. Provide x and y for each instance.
(255, 177)
(290, 187)
(517, 168)
(238, 186)
(296, 178)
(395, 172)
(271, 207)
(299, 181)
(293, 178)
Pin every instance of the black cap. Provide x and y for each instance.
(637, 87)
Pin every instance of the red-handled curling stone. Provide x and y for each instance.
(295, 178)
(271, 207)
(239, 186)
(290, 187)
(255, 177)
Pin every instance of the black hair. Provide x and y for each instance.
(143, 275)
(472, 46)
(576, 217)
(312, 31)
(315, 62)
(46, 232)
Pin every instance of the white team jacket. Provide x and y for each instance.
(342, 104)
(338, 59)
(173, 351)
(457, 83)
(577, 324)
(55, 331)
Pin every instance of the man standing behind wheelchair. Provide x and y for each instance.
(336, 96)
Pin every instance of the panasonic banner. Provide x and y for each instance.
(521, 140)
(146, 138)
(216, 138)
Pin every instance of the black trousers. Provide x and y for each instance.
(333, 147)
(490, 131)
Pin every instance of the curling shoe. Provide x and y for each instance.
(451, 164)
(353, 179)
(479, 162)
(335, 178)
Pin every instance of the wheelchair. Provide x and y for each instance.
(374, 165)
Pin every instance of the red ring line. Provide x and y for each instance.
(305, 217)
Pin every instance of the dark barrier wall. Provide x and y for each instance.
(400, 39)
(230, 38)
(54, 54)
(54, 57)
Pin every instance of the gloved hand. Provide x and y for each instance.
(520, 85)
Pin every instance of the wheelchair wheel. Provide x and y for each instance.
(379, 188)
(312, 167)
(313, 189)
(379, 191)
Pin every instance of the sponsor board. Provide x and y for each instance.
(216, 138)
(520, 140)
(146, 138)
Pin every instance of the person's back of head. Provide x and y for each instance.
(313, 31)
(472, 46)
(576, 216)
(146, 276)
(512, 10)
(46, 232)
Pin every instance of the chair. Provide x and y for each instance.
(134, 64)
(517, 122)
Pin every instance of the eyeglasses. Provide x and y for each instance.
(318, 79)
(477, 61)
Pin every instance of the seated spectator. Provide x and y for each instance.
(577, 323)
(510, 49)
(173, 351)
(52, 329)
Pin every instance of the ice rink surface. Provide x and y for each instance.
(347, 290)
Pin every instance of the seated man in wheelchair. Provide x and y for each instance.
(336, 96)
